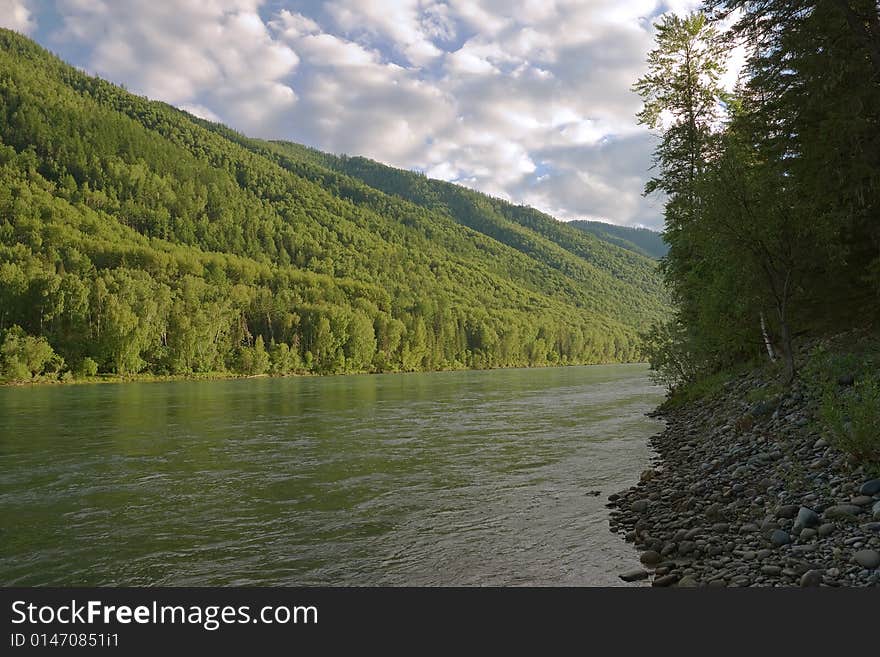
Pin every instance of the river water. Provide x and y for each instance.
(446, 478)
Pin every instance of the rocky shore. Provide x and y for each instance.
(751, 494)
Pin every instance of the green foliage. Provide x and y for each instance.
(852, 414)
(704, 388)
(665, 347)
(23, 357)
(772, 192)
(87, 368)
(765, 393)
(253, 360)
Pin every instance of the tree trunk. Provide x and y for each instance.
(767, 343)
(788, 351)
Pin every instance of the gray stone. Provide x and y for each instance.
(826, 530)
(666, 580)
(811, 578)
(770, 569)
(871, 487)
(634, 575)
(869, 559)
(808, 534)
(780, 538)
(762, 408)
(787, 511)
(687, 582)
(806, 518)
(639, 506)
(650, 557)
(862, 500)
(842, 511)
(846, 380)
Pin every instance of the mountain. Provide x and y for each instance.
(639, 240)
(135, 237)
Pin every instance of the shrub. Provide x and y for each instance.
(87, 367)
(853, 417)
(22, 357)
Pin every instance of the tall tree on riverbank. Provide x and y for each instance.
(783, 236)
(817, 65)
(682, 99)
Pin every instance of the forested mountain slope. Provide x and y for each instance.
(639, 240)
(137, 238)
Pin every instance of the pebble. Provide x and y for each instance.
(808, 534)
(811, 578)
(826, 530)
(806, 518)
(869, 559)
(634, 575)
(666, 580)
(650, 557)
(842, 511)
(787, 511)
(749, 495)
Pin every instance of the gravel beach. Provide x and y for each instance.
(751, 494)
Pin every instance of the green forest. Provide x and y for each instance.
(641, 240)
(772, 191)
(136, 239)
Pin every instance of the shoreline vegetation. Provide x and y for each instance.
(230, 376)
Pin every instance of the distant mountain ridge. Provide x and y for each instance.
(135, 237)
(639, 240)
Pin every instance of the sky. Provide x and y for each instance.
(527, 100)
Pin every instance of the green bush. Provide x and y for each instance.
(87, 368)
(23, 357)
(853, 417)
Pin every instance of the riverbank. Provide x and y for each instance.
(750, 488)
(228, 375)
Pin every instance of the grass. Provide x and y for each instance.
(702, 389)
(848, 414)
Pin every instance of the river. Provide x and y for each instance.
(444, 478)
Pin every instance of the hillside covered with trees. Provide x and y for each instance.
(641, 240)
(136, 238)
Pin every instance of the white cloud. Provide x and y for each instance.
(407, 25)
(528, 100)
(210, 54)
(200, 111)
(16, 15)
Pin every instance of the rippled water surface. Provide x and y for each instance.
(451, 478)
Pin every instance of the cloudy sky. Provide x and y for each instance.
(528, 100)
